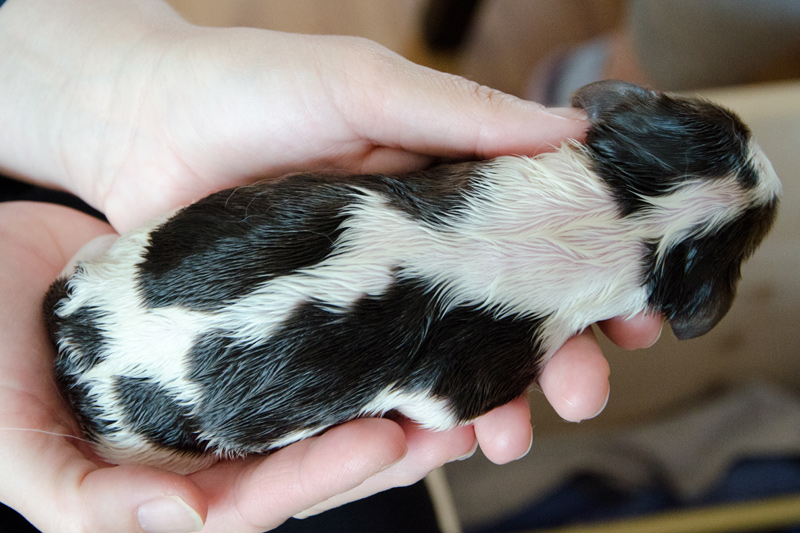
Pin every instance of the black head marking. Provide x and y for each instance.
(696, 283)
(645, 143)
(599, 97)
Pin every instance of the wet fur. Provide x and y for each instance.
(265, 314)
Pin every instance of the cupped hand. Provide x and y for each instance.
(144, 112)
(53, 465)
(138, 112)
(141, 112)
(51, 475)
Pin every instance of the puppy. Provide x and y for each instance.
(265, 314)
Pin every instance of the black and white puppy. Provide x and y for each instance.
(265, 314)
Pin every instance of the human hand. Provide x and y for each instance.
(54, 479)
(142, 113)
(51, 464)
(166, 112)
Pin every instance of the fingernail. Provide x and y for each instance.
(302, 515)
(660, 331)
(311, 511)
(168, 515)
(467, 455)
(530, 445)
(572, 113)
(608, 395)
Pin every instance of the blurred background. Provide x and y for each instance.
(702, 435)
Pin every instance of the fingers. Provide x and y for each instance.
(639, 331)
(261, 494)
(427, 450)
(58, 489)
(575, 380)
(137, 498)
(399, 104)
(383, 160)
(505, 433)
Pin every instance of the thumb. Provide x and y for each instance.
(422, 110)
(126, 498)
(58, 489)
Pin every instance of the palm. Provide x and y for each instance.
(34, 422)
(202, 123)
(192, 112)
(213, 110)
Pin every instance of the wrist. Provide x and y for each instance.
(61, 75)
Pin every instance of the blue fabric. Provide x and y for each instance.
(591, 498)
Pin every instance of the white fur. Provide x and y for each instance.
(540, 237)
(769, 185)
(421, 407)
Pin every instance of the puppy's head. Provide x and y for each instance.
(689, 173)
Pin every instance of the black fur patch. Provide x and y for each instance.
(220, 248)
(435, 196)
(322, 367)
(88, 412)
(651, 142)
(149, 410)
(700, 275)
(58, 290)
(318, 370)
(80, 330)
(480, 361)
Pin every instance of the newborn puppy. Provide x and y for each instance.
(265, 314)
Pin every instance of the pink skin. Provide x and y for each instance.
(138, 112)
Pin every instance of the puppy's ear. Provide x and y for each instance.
(703, 319)
(600, 96)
